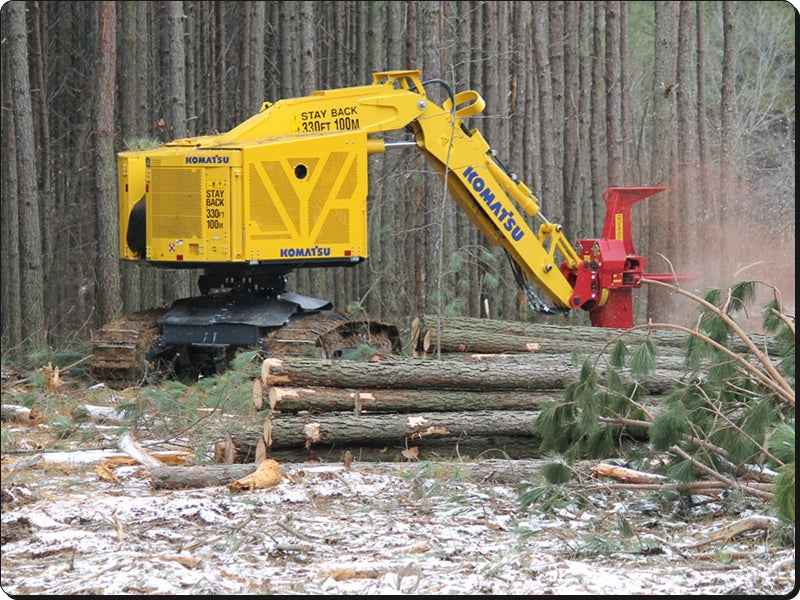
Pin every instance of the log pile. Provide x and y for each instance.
(483, 394)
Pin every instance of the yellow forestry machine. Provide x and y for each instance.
(287, 188)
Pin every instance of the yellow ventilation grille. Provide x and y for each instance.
(175, 210)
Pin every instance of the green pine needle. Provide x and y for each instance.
(781, 443)
(643, 358)
(785, 492)
(619, 352)
(557, 470)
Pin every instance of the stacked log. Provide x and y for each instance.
(448, 335)
(484, 393)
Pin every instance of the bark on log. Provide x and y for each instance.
(552, 336)
(177, 478)
(479, 341)
(328, 399)
(489, 470)
(465, 448)
(306, 430)
(542, 374)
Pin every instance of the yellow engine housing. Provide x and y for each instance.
(286, 199)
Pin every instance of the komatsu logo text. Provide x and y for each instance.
(315, 251)
(505, 216)
(216, 159)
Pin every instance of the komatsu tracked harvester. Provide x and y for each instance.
(288, 188)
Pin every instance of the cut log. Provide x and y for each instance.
(540, 374)
(464, 449)
(552, 337)
(327, 399)
(306, 430)
(487, 470)
(176, 478)
(21, 414)
(478, 341)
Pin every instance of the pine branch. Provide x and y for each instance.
(775, 381)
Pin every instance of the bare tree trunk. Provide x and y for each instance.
(597, 137)
(702, 134)
(306, 47)
(625, 93)
(52, 221)
(659, 302)
(686, 207)
(614, 137)
(131, 274)
(555, 34)
(582, 190)
(10, 306)
(551, 205)
(31, 274)
(395, 265)
(434, 193)
(571, 176)
(474, 74)
(107, 265)
(727, 170)
(255, 41)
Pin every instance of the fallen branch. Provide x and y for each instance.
(739, 527)
(132, 448)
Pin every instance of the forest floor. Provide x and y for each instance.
(418, 527)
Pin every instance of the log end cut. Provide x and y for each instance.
(268, 474)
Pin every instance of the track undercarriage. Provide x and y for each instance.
(200, 336)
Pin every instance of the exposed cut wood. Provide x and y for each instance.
(268, 474)
(176, 457)
(106, 474)
(258, 393)
(131, 447)
(624, 474)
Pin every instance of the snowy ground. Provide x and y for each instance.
(327, 530)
